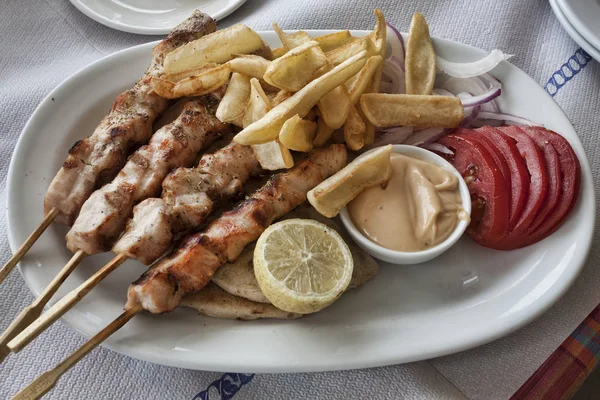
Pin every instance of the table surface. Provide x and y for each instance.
(45, 42)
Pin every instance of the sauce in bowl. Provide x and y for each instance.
(419, 208)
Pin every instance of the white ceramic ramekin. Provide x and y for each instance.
(401, 257)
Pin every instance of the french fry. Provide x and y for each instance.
(192, 72)
(363, 79)
(354, 130)
(258, 103)
(296, 68)
(420, 58)
(298, 134)
(422, 111)
(280, 97)
(268, 127)
(233, 104)
(341, 54)
(323, 134)
(273, 155)
(379, 35)
(331, 195)
(205, 82)
(218, 47)
(251, 65)
(334, 40)
(278, 52)
(369, 134)
(291, 40)
(264, 52)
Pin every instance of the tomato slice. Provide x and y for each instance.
(538, 178)
(489, 194)
(570, 172)
(554, 176)
(517, 175)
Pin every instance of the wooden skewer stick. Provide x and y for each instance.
(45, 382)
(33, 311)
(14, 260)
(63, 305)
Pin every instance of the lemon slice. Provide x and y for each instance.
(302, 265)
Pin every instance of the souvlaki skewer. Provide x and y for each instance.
(98, 158)
(103, 216)
(189, 196)
(191, 265)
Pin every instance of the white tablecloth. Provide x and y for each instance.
(44, 42)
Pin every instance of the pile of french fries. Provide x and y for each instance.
(306, 92)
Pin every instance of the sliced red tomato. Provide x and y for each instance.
(489, 194)
(518, 174)
(538, 182)
(554, 176)
(570, 171)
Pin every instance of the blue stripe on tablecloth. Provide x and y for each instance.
(229, 384)
(225, 387)
(567, 71)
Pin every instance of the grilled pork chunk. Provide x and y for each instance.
(189, 196)
(190, 267)
(104, 214)
(98, 158)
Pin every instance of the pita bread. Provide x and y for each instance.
(213, 301)
(238, 278)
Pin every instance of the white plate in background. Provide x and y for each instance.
(575, 35)
(151, 17)
(465, 298)
(584, 15)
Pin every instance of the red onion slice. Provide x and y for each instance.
(509, 119)
(471, 69)
(485, 97)
(439, 148)
(425, 136)
(393, 76)
(396, 43)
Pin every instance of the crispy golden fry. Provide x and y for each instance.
(379, 35)
(264, 52)
(420, 58)
(331, 195)
(279, 97)
(192, 72)
(268, 127)
(341, 54)
(296, 68)
(273, 155)
(369, 127)
(354, 130)
(298, 134)
(335, 105)
(412, 110)
(323, 134)
(278, 52)
(205, 82)
(291, 40)
(218, 47)
(251, 65)
(233, 105)
(363, 79)
(334, 40)
(258, 105)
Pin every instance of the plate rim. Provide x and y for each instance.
(572, 32)
(578, 24)
(541, 305)
(140, 30)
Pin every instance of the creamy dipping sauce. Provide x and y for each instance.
(420, 207)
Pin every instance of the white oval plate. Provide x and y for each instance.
(584, 15)
(575, 35)
(151, 17)
(474, 294)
